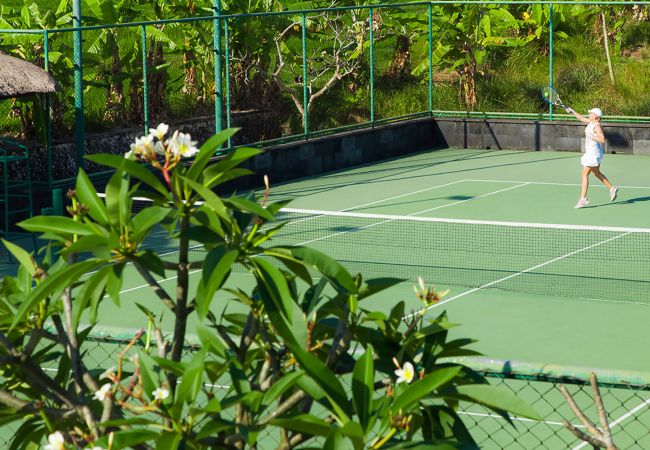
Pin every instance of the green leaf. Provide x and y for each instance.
(327, 266)
(24, 258)
(337, 441)
(207, 151)
(363, 379)
(129, 438)
(57, 225)
(97, 245)
(425, 387)
(87, 195)
(91, 292)
(283, 311)
(114, 283)
(192, 380)
(499, 399)
(211, 199)
(216, 268)
(292, 263)
(168, 441)
(103, 10)
(133, 168)
(211, 341)
(150, 261)
(280, 386)
(326, 380)
(218, 172)
(304, 423)
(150, 379)
(250, 206)
(56, 281)
(147, 218)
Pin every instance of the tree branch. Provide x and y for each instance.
(151, 281)
(32, 408)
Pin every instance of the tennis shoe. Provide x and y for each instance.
(582, 203)
(613, 192)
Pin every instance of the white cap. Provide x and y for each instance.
(596, 111)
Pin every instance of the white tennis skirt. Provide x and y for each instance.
(591, 160)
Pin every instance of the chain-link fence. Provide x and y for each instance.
(298, 74)
(625, 395)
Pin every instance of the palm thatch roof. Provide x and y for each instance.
(19, 77)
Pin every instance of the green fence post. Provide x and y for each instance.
(57, 202)
(145, 78)
(430, 10)
(218, 82)
(227, 52)
(550, 56)
(305, 91)
(79, 131)
(48, 118)
(372, 67)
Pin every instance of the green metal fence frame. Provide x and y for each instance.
(220, 26)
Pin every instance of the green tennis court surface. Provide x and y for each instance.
(583, 305)
(565, 293)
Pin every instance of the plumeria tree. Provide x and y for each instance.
(309, 362)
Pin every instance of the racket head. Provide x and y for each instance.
(550, 95)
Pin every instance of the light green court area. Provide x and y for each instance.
(513, 313)
(504, 186)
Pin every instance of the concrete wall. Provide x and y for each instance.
(538, 135)
(330, 153)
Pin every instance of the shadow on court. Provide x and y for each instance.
(406, 172)
(629, 201)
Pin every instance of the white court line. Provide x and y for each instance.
(467, 200)
(620, 419)
(397, 217)
(310, 218)
(518, 419)
(351, 208)
(555, 184)
(487, 285)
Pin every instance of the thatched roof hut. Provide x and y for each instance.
(19, 77)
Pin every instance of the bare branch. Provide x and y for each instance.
(596, 437)
(588, 424)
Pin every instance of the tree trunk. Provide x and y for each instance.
(400, 67)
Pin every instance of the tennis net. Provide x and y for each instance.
(600, 263)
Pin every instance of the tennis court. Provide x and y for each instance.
(530, 277)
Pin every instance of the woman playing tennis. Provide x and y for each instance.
(593, 156)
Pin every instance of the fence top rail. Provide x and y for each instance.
(555, 373)
(320, 10)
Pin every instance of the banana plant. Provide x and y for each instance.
(468, 37)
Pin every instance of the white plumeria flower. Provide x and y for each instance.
(55, 441)
(95, 448)
(108, 373)
(181, 144)
(160, 394)
(103, 392)
(159, 148)
(141, 146)
(405, 374)
(160, 131)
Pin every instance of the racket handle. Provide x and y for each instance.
(568, 110)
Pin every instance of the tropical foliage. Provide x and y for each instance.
(475, 53)
(310, 361)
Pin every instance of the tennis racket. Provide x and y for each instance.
(551, 97)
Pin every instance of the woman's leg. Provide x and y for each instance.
(601, 176)
(585, 181)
